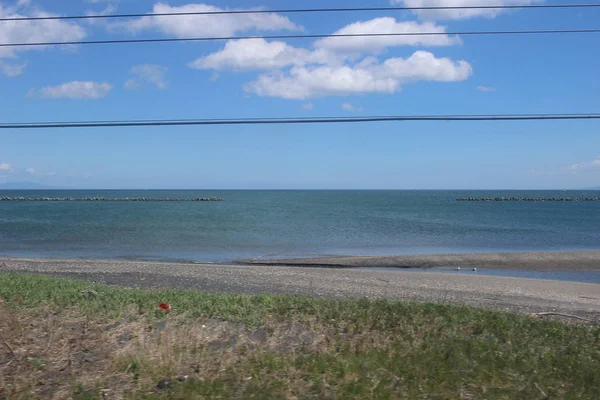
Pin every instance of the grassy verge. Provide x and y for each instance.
(66, 339)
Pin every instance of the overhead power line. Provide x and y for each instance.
(276, 121)
(305, 10)
(314, 36)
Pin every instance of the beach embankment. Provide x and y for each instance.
(543, 261)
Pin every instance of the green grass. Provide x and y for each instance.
(358, 349)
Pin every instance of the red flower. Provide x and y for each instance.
(164, 306)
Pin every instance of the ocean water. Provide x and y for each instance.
(278, 224)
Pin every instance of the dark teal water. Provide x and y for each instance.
(272, 224)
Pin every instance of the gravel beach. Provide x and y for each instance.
(546, 261)
(501, 293)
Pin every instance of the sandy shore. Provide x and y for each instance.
(567, 260)
(503, 293)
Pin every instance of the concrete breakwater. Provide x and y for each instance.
(528, 199)
(109, 199)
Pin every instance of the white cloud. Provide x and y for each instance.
(109, 9)
(337, 66)
(147, 73)
(73, 90)
(386, 25)
(349, 107)
(303, 83)
(486, 88)
(206, 25)
(367, 77)
(575, 168)
(260, 54)
(423, 65)
(33, 31)
(214, 77)
(12, 69)
(132, 84)
(4, 167)
(460, 14)
(307, 106)
(33, 171)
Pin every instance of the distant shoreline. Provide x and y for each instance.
(543, 261)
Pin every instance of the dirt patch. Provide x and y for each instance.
(62, 355)
(43, 354)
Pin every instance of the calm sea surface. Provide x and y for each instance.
(271, 224)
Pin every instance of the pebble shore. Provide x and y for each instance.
(501, 293)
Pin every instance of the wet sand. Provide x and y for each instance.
(542, 261)
(501, 293)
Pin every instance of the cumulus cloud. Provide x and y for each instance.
(206, 25)
(423, 65)
(73, 90)
(368, 77)
(6, 168)
(386, 25)
(460, 14)
(260, 54)
(338, 66)
(33, 31)
(307, 106)
(303, 83)
(147, 73)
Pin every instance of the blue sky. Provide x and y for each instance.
(300, 78)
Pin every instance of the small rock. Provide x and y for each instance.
(164, 384)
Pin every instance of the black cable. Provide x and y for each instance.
(306, 10)
(319, 120)
(199, 39)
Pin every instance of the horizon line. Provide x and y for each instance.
(304, 189)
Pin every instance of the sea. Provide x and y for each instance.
(267, 224)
